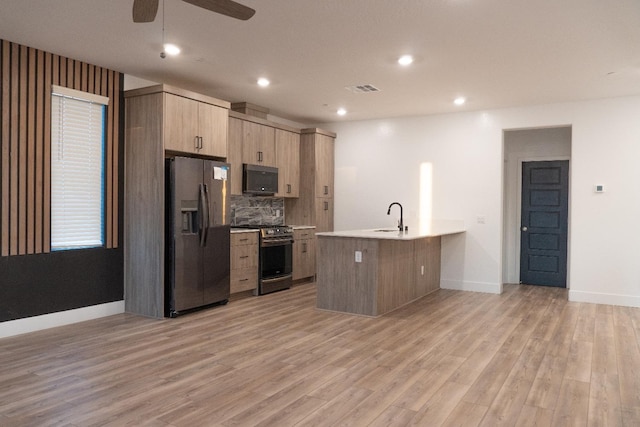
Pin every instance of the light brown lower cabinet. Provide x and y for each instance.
(304, 253)
(244, 261)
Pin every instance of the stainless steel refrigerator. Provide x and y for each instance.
(197, 261)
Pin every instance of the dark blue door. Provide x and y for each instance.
(543, 231)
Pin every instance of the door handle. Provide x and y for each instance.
(524, 228)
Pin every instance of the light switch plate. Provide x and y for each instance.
(598, 188)
(358, 256)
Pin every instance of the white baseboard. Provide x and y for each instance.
(609, 299)
(61, 318)
(457, 285)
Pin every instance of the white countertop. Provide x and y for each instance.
(433, 229)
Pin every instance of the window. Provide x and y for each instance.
(77, 169)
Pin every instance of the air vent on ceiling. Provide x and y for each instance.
(363, 88)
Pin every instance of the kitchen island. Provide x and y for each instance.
(372, 272)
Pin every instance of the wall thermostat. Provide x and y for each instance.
(598, 188)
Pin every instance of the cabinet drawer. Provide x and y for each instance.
(238, 239)
(244, 279)
(244, 256)
(304, 234)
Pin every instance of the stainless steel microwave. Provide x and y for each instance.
(259, 180)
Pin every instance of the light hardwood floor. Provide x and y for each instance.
(526, 357)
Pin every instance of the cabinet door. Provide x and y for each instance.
(234, 154)
(212, 128)
(304, 262)
(288, 161)
(324, 153)
(426, 265)
(258, 144)
(180, 124)
(324, 214)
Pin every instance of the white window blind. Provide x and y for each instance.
(77, 169)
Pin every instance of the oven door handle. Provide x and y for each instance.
(276, 242)
(276, 279)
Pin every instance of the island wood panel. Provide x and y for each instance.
(396, 274)
(25, 137)
(427, 254)
(344, 285)
(389, 276)
(144, 207)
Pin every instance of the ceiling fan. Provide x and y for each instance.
(145, 10)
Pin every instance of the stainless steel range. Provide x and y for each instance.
(275, 257)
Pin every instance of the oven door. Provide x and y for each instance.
(276, 263)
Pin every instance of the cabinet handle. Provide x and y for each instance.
(304, 247)
(195, 142)
(243, 280)
(243, 240)
(201, 142)
(288, 188)
(244, 256)
(326, 206)
(326, 189)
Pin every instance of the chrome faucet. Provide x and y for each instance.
(400, 223)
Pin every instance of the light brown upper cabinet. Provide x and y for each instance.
(324, 155)
(314, 206)
(195, 127)
(258, 144)
(288, 161)
(234, 154)
(257, 141)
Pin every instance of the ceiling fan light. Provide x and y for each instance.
(171, 49)
(341, 112)
(263, 82)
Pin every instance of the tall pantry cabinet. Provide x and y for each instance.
(159, 120)
(314, 206)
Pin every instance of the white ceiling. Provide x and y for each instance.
(496, 53)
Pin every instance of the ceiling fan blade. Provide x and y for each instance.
(225, 7)
(145, 10)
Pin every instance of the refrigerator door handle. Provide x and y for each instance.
(202, 214)
(207, 214)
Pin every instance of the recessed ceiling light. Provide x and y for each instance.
(459, 100)
(263, 82)
(341, 111)
(171, 49)
(405, 60)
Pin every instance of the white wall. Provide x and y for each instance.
(378, 162)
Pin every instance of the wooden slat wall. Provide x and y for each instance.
(26, 76)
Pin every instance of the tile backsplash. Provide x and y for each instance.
(252, 210)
